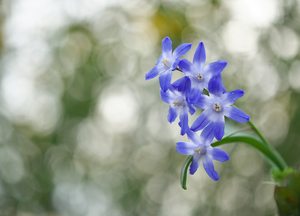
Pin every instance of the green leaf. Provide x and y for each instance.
(184, 170)
(268, 151)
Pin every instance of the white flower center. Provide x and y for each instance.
(178, 103)
(201, 151)
(200, 77)
(217, 107)
(166, 62)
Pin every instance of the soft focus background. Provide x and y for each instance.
(83, 134)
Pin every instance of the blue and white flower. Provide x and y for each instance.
(202, 151)
(167, 62)
(186, 94)
(215, 107)
(176, 97)
(199, 73)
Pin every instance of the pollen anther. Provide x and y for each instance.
(217, 107)
(166, 62)
(178, 103)
(199, 77)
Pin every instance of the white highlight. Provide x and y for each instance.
(284, 42)
(119, 109)
(239, 38)
(255, 13)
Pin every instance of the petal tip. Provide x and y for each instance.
(193, 128)
(215, 178)
(192, 170)
(247, 118)
(219, 138)
(147, 77)
(201, 45)
(224, 64)
(166, 39)
(239, 92)
(226, 158)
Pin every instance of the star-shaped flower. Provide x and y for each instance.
(198, 72)
(176, 97)
(215, 107)
(201, 150)
(167, 62)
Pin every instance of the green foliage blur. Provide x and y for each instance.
(83, 134)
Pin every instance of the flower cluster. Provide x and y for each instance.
(200, 88)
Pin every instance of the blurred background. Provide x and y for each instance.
(83, 134)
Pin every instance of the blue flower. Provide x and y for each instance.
(176, 96)
(167, 62)
(201, 150)
(198, 72)
(215, 107)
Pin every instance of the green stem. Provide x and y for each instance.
(258, 133)
(271, 148)
(269, 152)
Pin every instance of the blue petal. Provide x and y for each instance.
(185, 148)
(208, 132)
(159, 59)
(219, 129)
(236, 114)
(166, 46)
(184, 124)
(215, 68)
(209, 168)
(232, 96)
(175, 64)
(185, 65)
(172, 115)
(219, 155)
(200, 55)
(196, 98)
(182, 49)
(165, 80)
(193, 96)
(215, 86)
(183, 84)
(165, 96)
(194, 166)
(152, 73)
(201, 121)
(192, 110)
(193, 136)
